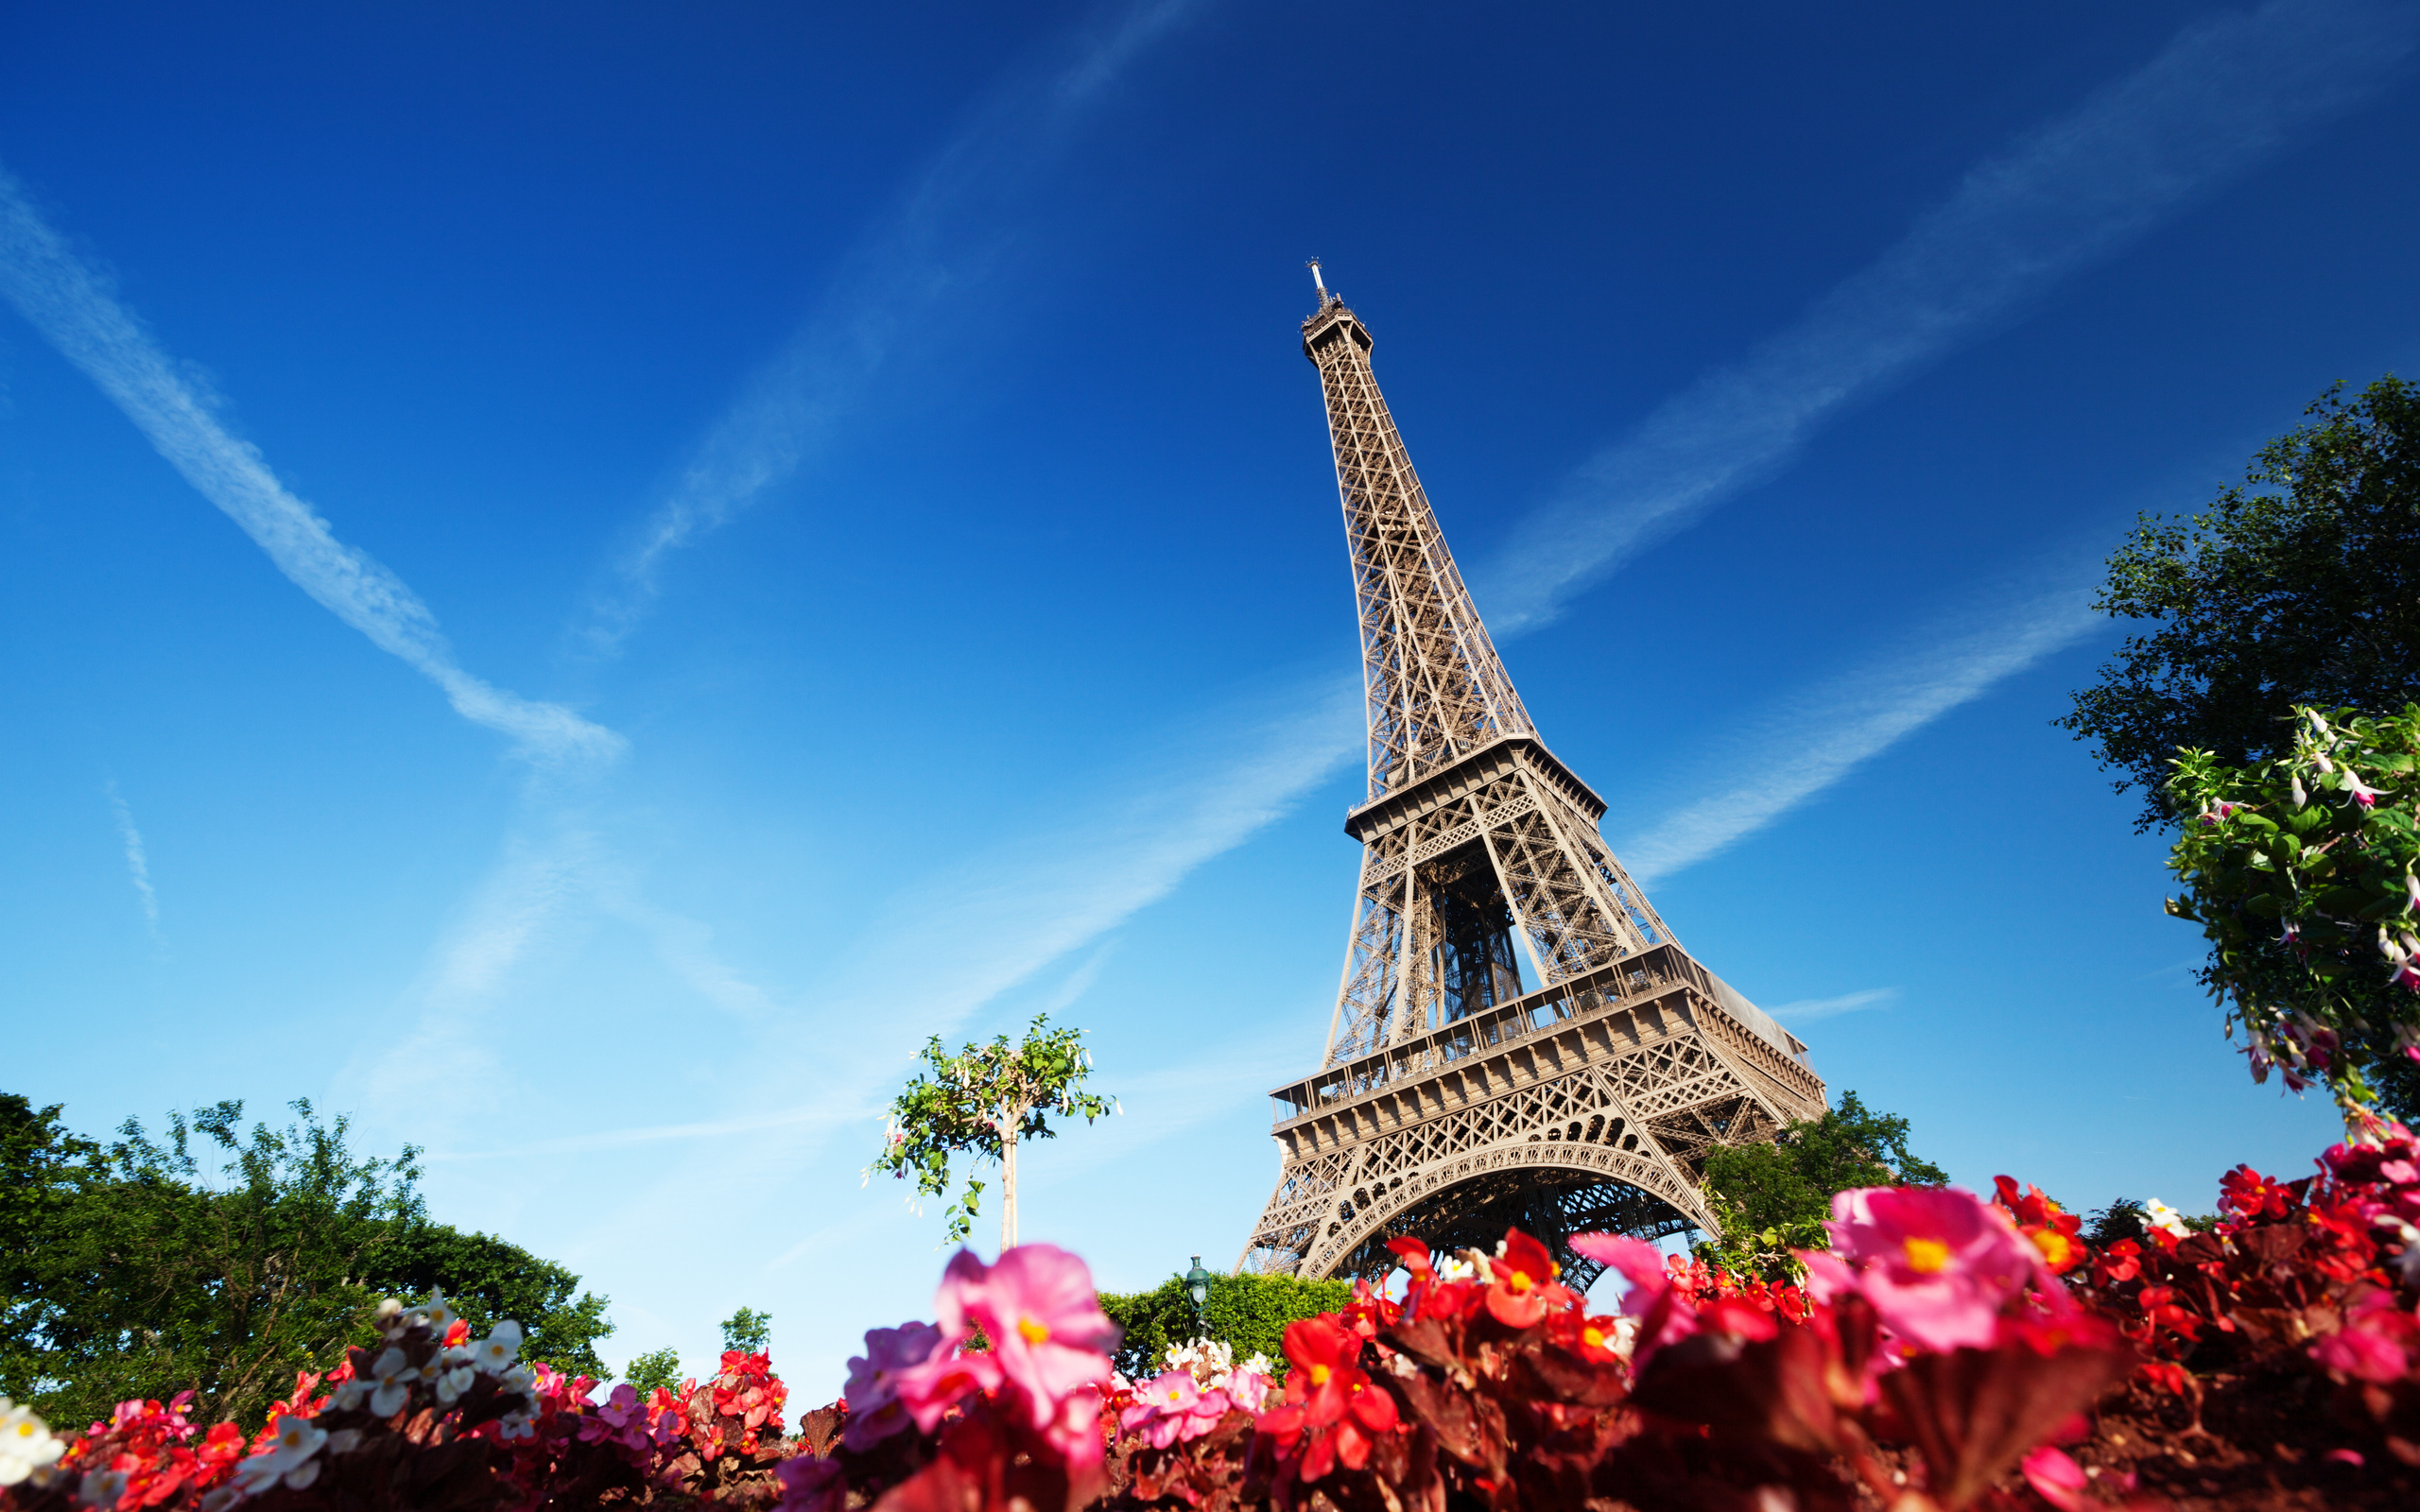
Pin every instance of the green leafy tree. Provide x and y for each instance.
(1247, 1314)
(747, 1331)
(2301, 587)
(2301, 872)
(488, 1279)
(1771, 1199)
(136, 1270)
(982, 1103)
(657, 1370)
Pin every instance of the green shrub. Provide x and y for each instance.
(1247, 1314)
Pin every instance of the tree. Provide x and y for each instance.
(984, 1102)
(134, 1272)
(2301, 872)
(2302, 588)
(488, 1279)
(657, 1370)
(747, 1331)
(1771, 1199)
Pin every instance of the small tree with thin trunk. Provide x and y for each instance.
(983, 1102)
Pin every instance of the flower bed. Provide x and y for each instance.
(1948, 1351)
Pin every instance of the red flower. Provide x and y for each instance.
(1523, 1281)
(2255, 1196)
(2052, 1229)
(1339, 1411)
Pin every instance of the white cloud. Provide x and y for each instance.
(138, 866)
(895, 277)
(2227, 94)
(71, 304)
(1809, 1010)
(1820, 737)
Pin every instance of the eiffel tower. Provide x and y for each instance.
(1518, 1040)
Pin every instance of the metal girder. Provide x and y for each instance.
(1451, 1101)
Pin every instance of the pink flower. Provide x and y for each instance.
(944, 1378)
(810, 1484)
(2377, 1343)
(1036, 1305)
(875, 1410)
(1663, 1316)
(1248, 1389)
(1173, 1409)
(1937, 1263)
(2059, 1479)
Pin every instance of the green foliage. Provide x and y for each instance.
(1771, 1199)
(132, 1271)
(2302, 588)
(1247, 1314)
(968, 1098)
(2300, 872)
(656, 1369)
(747, 1331)
(488, 1281)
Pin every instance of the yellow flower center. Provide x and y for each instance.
(1176, 1395)
(1926, 1255)
(1033, 1333)
(2055, 1246)
(1320, 1374)
(1519, 1280)
(1595, 1338)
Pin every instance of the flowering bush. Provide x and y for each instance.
(2306, 886)
(1948, 1351)
(429, 1417)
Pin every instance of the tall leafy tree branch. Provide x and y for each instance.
(983, 1102)
(2300, 587)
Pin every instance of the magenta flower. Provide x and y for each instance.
(1663, 1316)
(1248, 1388)
(2376, 1344)
(876, 1410)
(1036, 1305)
(1937, 1263)
(1173, 1409)
(2360, 792)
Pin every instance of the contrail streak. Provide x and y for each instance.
(896, 275)
(1834, 729)
(71, 304)
(138, 866)
(2223, 97)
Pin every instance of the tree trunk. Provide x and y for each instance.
(1008, 1142)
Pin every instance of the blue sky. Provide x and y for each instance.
(577, 580)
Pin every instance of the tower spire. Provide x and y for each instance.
(1518, 1040)
(1435, 688)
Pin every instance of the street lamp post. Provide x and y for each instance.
(1197, 1281)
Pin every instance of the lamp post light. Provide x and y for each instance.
(1197, 1281)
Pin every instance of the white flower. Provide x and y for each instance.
(393, 1375)
(27, 1443)
(496, 1354)
(299, 1437)
(388, 1308)
(101, 1489)
(515, 1425)
(517, 1379)
(435, 1312)
(219, 1499)
(451, 1385)
(349, 1395)
(344, 1440)
(2161, 1216)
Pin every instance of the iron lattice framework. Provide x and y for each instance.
(1454, 1101)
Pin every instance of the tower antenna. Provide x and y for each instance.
(1322, 282)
